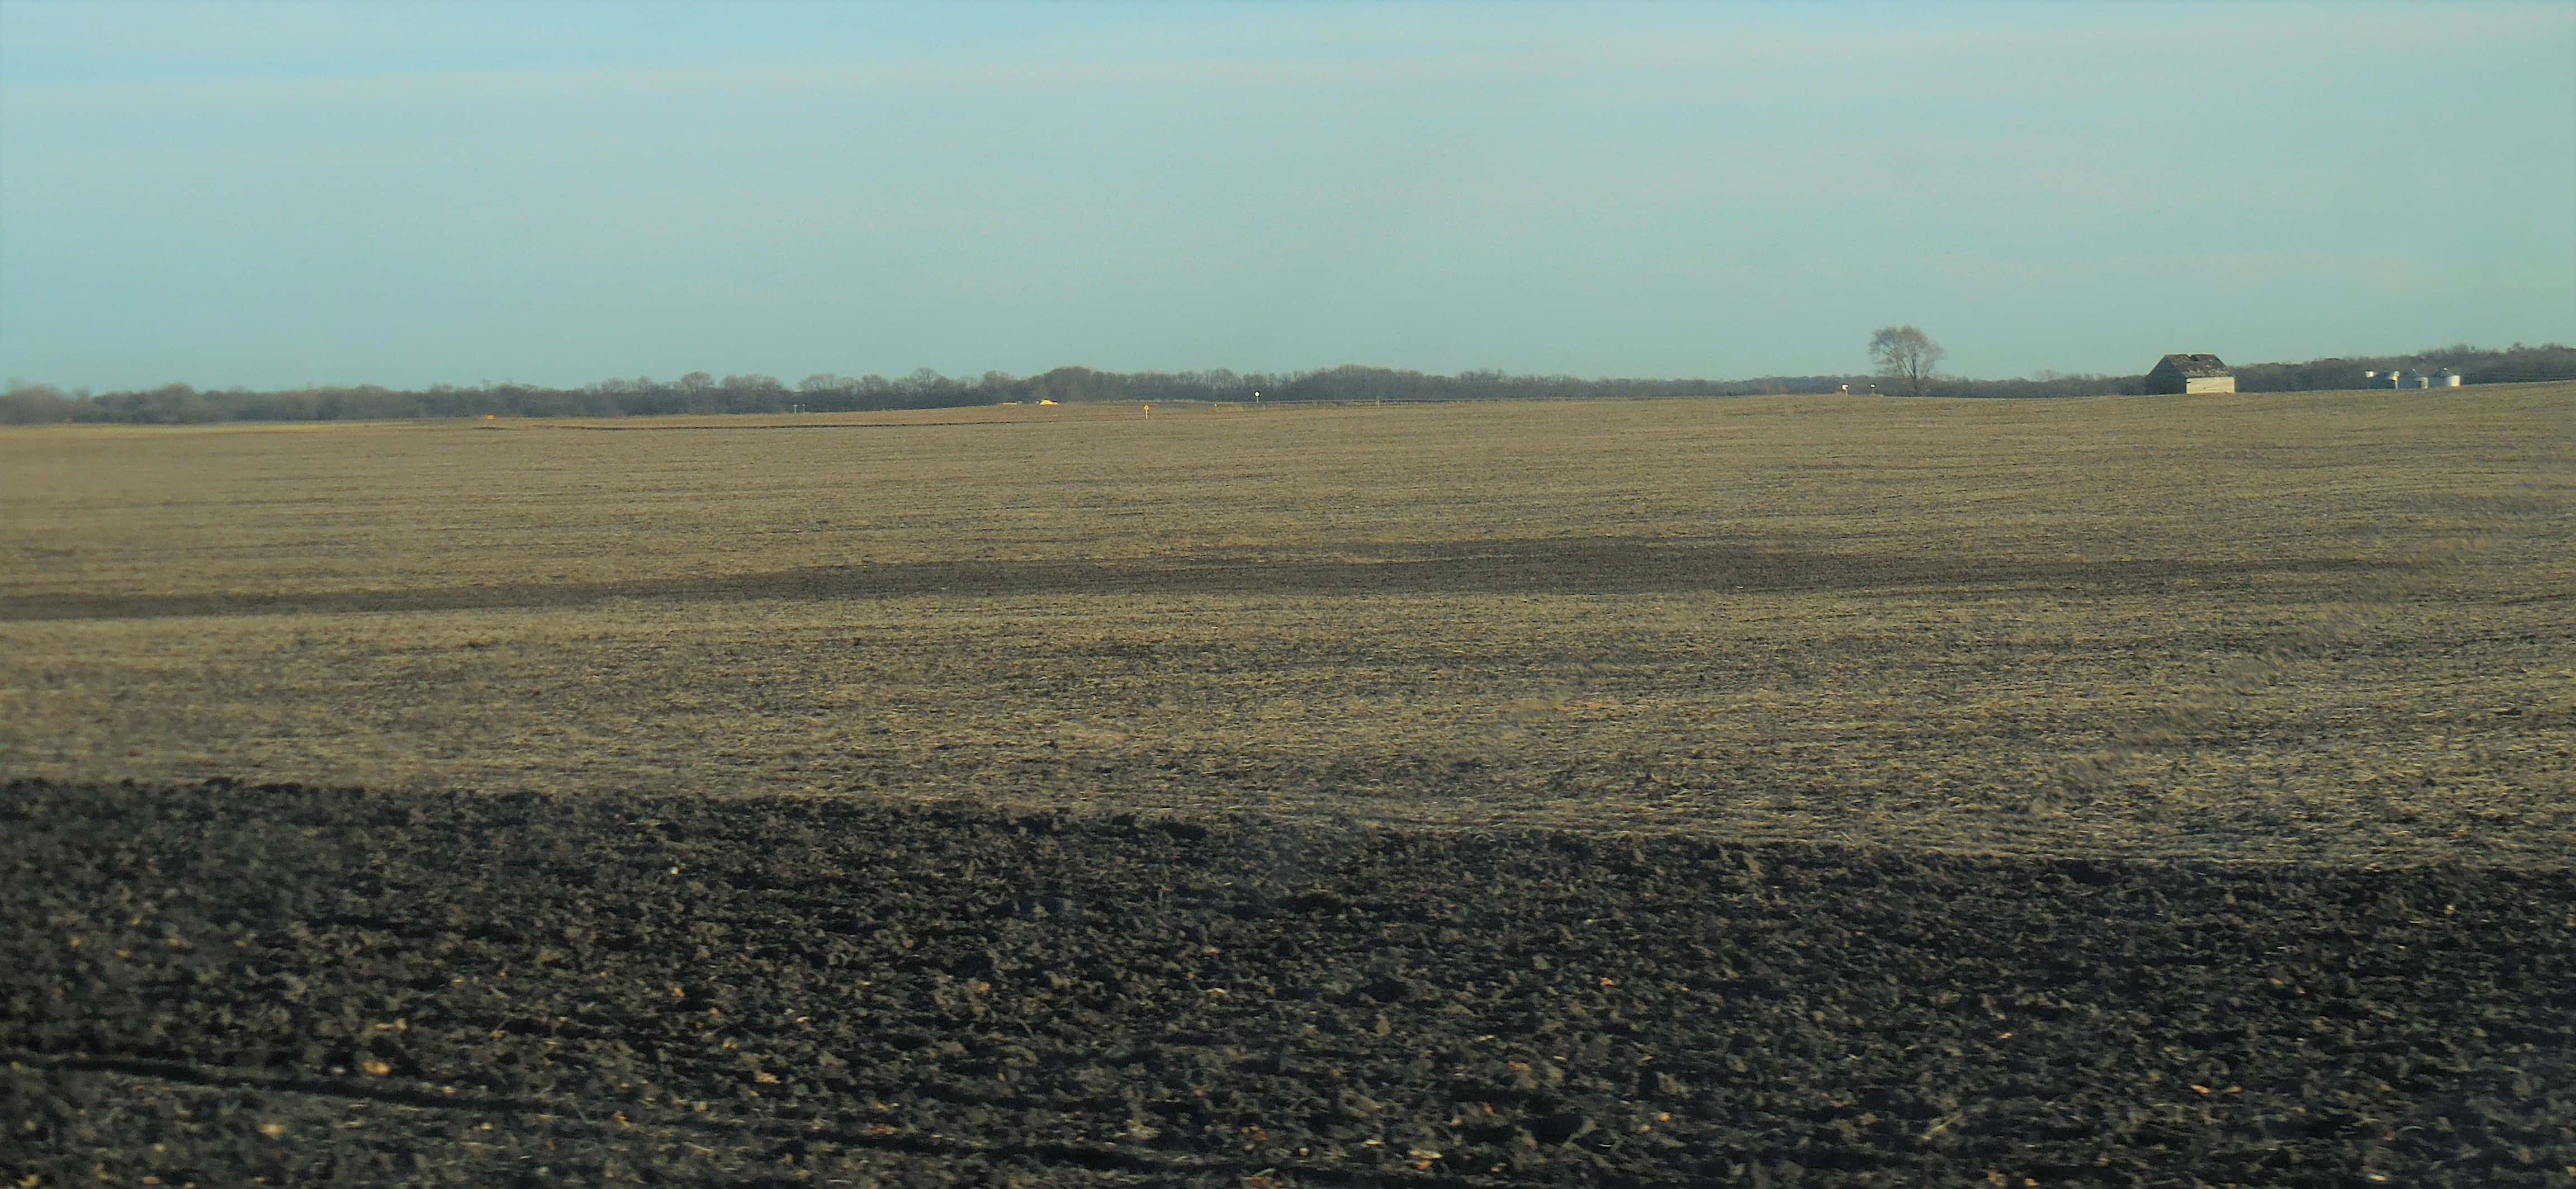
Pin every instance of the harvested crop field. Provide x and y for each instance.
(2329, 626)
(215, 982)
(1768, 791)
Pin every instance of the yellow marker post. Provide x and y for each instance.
(1149, 410)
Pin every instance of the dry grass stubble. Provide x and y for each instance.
(2315, 626)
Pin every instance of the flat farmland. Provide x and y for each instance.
(1768, 792)
(2331, 627)
(214, 984)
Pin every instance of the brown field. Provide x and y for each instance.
(2335, 626)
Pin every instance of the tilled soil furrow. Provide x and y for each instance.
(751, 1141)
(286, 1133)
(731, 989)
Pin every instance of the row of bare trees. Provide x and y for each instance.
(1907, 362)
(825, 392)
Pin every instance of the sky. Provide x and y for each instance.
(277, 195)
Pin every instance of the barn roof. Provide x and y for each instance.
(2195, 365)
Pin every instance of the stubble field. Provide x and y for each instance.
(2327, 626)
(2129, 662)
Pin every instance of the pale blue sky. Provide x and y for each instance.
(275, 195)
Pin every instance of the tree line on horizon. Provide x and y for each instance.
(702, 393)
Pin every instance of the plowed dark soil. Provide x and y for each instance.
(218, 983)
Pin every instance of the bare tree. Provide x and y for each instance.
(1905, 356)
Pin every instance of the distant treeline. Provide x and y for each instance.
(2516, 364)
(701, 393)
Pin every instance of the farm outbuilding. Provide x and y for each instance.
(2445, 378)
(2190, 373)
